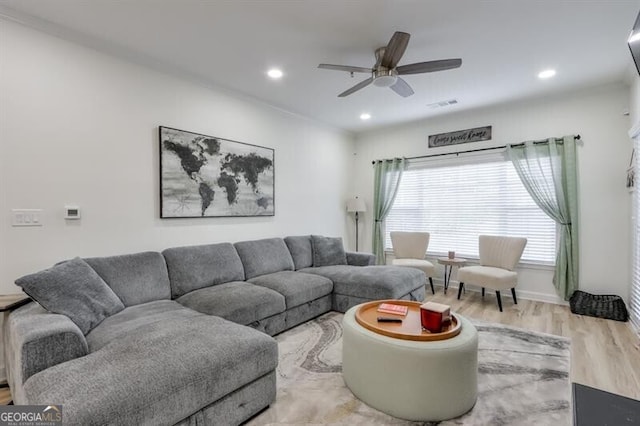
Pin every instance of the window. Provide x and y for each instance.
(457, 199)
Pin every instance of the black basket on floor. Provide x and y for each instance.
(598, 305)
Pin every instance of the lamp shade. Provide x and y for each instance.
(356, 205)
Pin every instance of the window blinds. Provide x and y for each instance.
(458, 199)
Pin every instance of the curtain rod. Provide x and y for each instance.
(474, 150)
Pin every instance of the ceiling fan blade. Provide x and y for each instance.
(395, 49)
(430, 66)
(357, 87)
(345, 68)
(402, 88)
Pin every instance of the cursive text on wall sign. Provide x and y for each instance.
(460, 136)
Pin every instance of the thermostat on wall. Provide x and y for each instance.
(71, 212)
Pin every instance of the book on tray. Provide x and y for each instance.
(390, 308)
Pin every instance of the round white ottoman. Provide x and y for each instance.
(420, 381)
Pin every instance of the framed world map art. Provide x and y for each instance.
(206, 176)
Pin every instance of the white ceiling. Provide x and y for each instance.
(231, 44)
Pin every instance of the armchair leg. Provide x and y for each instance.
(513, 293)
(460, 287)
(432, 289)
(483, 292)
(499, 300)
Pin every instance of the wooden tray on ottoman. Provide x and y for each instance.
(409, 329)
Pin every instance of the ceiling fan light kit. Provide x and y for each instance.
(384, 78)
(386, 72)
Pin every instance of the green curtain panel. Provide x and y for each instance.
(548, 171)
(388, 174)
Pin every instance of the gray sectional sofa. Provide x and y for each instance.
(182, 336)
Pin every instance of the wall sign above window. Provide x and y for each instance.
(460, 136)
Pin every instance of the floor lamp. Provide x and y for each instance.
(356, 205)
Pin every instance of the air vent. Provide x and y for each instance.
(442, 104)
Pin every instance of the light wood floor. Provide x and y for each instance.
(605, 354)
(5, 396)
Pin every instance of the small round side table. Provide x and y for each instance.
(457, 261)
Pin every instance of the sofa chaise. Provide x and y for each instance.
(182, 336)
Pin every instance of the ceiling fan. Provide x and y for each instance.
(386, 72)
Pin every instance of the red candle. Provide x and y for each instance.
(431, 321)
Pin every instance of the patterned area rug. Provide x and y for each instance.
(523, 379)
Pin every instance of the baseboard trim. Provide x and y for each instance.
(541, 297)
(522, 294)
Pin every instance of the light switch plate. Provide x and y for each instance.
(26, 217)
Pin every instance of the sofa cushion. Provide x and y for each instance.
(194, 267)
(358, 258)
(371, 282)
(266, 256)
(301, 251)
(328, 251)
(296, 287)
(74, 289)
(134, 317)
(134, 278)
(157, 374)
(236, 301)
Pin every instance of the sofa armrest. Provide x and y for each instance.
(358, 258)
(35, 340)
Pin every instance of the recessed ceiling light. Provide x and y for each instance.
(274, 73)
(365, 116)
(547, 74)
(634, 37)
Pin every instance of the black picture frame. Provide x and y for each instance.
(205, 176)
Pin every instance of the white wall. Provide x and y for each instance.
(81, 127)
(634, 94)
(595, 114)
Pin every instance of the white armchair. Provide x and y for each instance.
(498, 259)
(409, 249)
